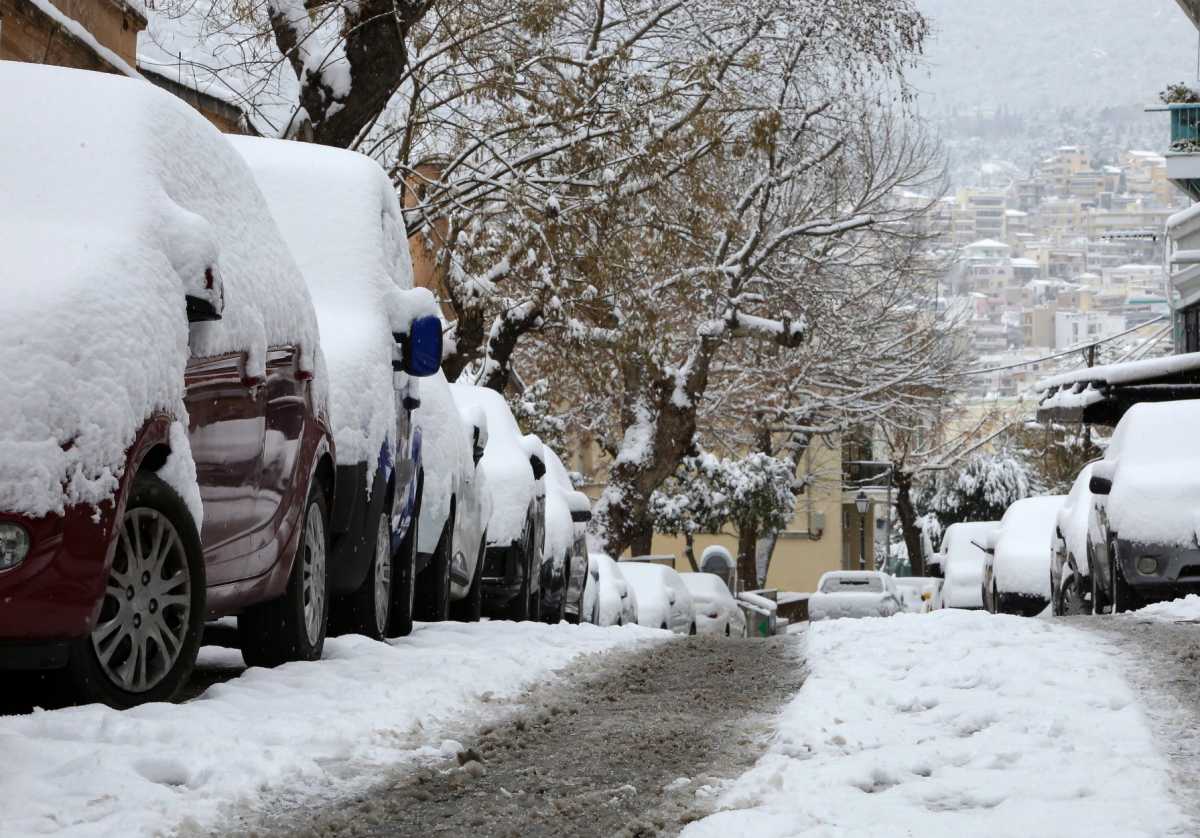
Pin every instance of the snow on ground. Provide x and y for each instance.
(324, 728)
(1187, 608)
(955, 723)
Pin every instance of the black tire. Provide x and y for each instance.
(292, 627)
(1123, 597)
(518, 607)
(535, 607)
(363, 612)
(1099, 597)
(431, 597)
(728, 630)
(87, 679)
(1071, 601)
(692, 629)
(406, 567)
(470, 608)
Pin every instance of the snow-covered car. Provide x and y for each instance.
(1070, 572)
(1144, 525)
(716, 611)
(514, 468)
(456, 502)
(564, 548)
(919, 594)
(615, 599)
(963, 555)
(1016, 574)
(663, 600)
(341, 219)
(167, 447)
(854, 593)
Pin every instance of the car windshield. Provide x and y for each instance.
(852, 584)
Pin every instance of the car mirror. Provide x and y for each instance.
(421, 348)
(538, 465)
(1099, 485)
(478, 445)
(581, 516)
(201, 309)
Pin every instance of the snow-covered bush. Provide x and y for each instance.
(1179, 94)
(982, 490)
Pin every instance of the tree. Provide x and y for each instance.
(982, 490)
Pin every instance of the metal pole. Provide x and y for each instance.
(862, 541)
(887, 525)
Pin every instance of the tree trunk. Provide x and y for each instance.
(689, 550)
(642, 544)
(908, 520)
(747, 558)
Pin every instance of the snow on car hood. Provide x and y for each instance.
(119, 200)
(339, 213)
(1022, 559)
(505, 462)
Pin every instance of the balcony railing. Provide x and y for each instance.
(862, 474)
(1185, 127)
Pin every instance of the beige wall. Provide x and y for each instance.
(29, 34)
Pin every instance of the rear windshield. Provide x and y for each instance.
(853, 584)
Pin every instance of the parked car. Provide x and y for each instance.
(514, 467)
(663, 600)
(919, 594)
(167, 448)
(615, 599)
(1070, 572)
(963, 555)
(1016, 573)
(564, 550)
(716, 612)
(854, 593)
(340, 217)
(1143, 525)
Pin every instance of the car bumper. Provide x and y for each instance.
(1177, 569)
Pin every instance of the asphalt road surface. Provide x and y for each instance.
(629, 743)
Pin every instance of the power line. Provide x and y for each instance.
(1066, 352)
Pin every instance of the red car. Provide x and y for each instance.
(165, 455)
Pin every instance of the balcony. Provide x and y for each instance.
(865, 474)
(1183, 159)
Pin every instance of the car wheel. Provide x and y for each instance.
(728, 631)
(520, 606)
(292, 627)
(431, 599)
(1122, 595)
(403, 584)
(470, 608)
(144, 645)
(692, 629)
(1071, 601)
(368, 610)
(1098, 596)
(996, 605)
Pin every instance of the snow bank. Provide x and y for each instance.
(1186, 609)
(964, 561)
(955, 723)
(1155, 494)
(339, 213)
(331, 726)
(1022, 560)
(505, 462)
(119, 200)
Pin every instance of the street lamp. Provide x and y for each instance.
(862, 503)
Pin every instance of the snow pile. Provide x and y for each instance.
(505, 462)
(1156, 483)
(955, 723)
(446, 457)
(331, 725)
(1022, 560)
(1186, 609)
(339, 213)
(964, 561)
(119, 200)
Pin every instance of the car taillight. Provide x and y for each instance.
(14, 545)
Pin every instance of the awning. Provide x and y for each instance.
(1101, 395)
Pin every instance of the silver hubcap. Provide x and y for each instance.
(147, 605)
(383, 574)
(314, 574)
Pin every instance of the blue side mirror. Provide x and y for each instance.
(423, 347)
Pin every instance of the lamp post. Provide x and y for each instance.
(862, 503)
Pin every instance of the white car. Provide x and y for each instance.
(716, 611)
(1016, 576)
(564, 548)
(456, 502)
(609, 600)
(1070, 571)
(514, 469)
(854, 593)
(963, 555)
(919, 594)
(663, 601)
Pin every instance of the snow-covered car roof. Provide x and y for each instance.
(650, 583)
(706, 587)
(340, 216)
(852, 582)
(1155, 494)
(505, 462)
(1022, 553)
(119, 200)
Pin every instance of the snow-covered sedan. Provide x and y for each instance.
(564, 551)
(1070, 571)
(1144, 525)
(1016, 575)
(854, 593)
(663, 600)
(341, 218)
(717, 612)
(615, 600)
(514, 468)
(963, 556)
(455, 505)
